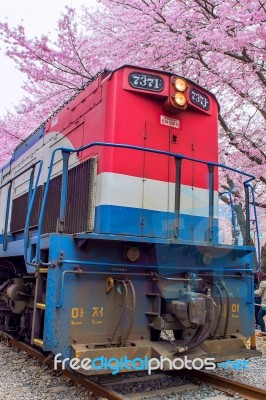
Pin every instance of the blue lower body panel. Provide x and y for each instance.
(79, 309)
(141, 222)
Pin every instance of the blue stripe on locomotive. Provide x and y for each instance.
(150, 223)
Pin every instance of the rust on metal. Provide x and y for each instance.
(229, 386)
(253, 344)
(226, 385)
(87, 383)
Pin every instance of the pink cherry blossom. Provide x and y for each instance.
(218, 44)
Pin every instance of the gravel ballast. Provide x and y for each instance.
(23, 378)
(256, 373)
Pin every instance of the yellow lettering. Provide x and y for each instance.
(77, 312)
(235, 308)
(97, 312)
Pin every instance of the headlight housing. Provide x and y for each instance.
(180, 99)
(178, 96)
(180, 84)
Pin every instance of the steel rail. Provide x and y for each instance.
(88, 384)
(223, 384)
(228, 386)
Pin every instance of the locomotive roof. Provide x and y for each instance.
(169, 74)
(38, 133)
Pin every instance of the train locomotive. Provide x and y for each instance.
(109, 221)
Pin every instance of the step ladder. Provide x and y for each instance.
(39, 307)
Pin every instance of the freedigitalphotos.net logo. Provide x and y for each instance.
(137, 364)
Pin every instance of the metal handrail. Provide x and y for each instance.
(176, 156)
(10, 182)
(256, 224)
(20, 173)
(97, 271)
(27, 223)
(232, 212)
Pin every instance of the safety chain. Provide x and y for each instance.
(177, 348)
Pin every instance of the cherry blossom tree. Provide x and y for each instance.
(218, 44)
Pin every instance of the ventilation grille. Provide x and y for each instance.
(79, 203)
(18, 216)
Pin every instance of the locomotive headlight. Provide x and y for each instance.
(109, 284)
(180, 84)
(133, 253)
(207, 258)
(180, 99)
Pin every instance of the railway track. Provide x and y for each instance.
(140, 385)
(225, 385)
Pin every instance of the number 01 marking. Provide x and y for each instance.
(77, 312)
(235, 308)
